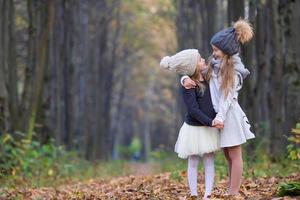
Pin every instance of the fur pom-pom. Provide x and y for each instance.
(164, 63)
(244, 30)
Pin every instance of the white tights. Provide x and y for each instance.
(193, 162)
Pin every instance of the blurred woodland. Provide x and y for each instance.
(83, 99)
(86, 73)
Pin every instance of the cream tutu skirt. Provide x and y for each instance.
(197, 140)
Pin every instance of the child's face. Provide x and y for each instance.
(217, 53)
(201, 63)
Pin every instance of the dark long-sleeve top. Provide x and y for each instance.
(200, 111)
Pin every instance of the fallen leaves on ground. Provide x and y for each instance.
(159, 187)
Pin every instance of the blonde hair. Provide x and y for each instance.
(226, 73)
(196, 78)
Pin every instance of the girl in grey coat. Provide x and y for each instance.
(225, 74)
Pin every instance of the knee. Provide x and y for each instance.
(209, 159)
(235, 157)
(235, 153)
(227, 157)
(226, 154)
(193, 161)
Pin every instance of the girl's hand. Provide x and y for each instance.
(217, 124)
(188, 83)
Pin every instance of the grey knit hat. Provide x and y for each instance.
(183, 62)
(227, 41)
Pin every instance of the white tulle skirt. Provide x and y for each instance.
(196, 140)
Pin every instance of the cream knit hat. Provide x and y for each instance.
(183, 62)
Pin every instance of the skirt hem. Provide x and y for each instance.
(236, 144)
(200, 154)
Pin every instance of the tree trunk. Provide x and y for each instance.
(262, 84)
(4, 114)
(9, 64)
(40, 69)
(276, 97)
(236, 10)
(31, 62)
(100, 146)
(291, 88)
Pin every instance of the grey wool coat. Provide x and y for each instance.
(237, 129)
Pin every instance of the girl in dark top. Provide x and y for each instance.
(198, 136)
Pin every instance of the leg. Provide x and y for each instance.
(209, 173)
(193, 162)
(225, 150)
(235, 154)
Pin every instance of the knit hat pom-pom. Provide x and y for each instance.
(164, 63)
(244, 30)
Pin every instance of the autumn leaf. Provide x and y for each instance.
(159, 186)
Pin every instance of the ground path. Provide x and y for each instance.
(146, 185)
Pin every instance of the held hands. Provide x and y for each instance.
(189, 83)
(217, 124)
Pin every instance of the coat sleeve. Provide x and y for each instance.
(193, 108)
(226, 102)
(182, 79)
